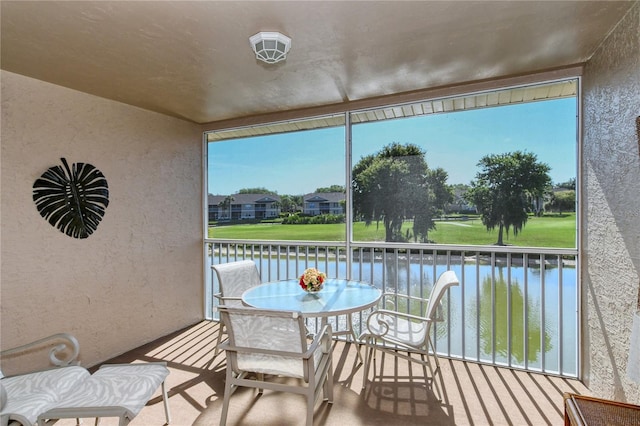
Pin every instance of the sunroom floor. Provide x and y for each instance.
(474, 394)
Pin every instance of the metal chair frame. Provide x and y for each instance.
(395, 332)
(234, 278)
(264, 343)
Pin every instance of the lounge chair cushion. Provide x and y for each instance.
(3, 396)
(114, 390)
(31, 394)
(129, 386)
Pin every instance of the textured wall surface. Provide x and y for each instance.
(139, 276)
(611, 209)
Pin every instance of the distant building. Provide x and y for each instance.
(243, 206)
(323, 203)
(266, 206)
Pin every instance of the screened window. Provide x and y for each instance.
(487, 168)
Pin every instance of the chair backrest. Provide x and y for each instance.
(445, 280)
(265, 341)
(236, 277)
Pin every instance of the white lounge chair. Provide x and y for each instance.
(70, 391)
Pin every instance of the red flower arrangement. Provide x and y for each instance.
(312, 280)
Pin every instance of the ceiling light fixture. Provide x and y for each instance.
(270, 47)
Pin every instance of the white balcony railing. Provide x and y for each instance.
(515, 307)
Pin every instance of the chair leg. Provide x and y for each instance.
(432, 350)
(261, 379)
(426, 365)
(367, 362)
(354, 338)
(329, 382)
(227, 395)
(310, 404)
(165, 400)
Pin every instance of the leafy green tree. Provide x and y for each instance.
(257, 191)
(562, 201)
(392, 186)
(436, 196)
(226, 205)
(504, 190)
(287, 204)
(443, 193)
(332, 188)
(570, 184)
(299, 201)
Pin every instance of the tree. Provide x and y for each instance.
(394, 185)
(505, 188)
(226, 205)
(257, 191)
(332, 188)
(570, 184)
(287, 204)
(442, 192)
(562, 201)
(436, 196)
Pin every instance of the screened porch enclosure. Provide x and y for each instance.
(517, 304)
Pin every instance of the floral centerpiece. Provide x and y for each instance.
(312, 280)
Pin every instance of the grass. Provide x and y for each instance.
(546, 231)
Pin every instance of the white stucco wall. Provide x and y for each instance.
(611, 208)
(139, 276)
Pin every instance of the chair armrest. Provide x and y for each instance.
(324, 338)
(223, 299)
(389, 300)
(396, 314)
(63, 354)
(219, 296)
(243, 349)
(403, 296)
(383, 325)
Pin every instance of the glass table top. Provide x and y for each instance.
(337, 297)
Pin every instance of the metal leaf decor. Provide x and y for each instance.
(72, 200)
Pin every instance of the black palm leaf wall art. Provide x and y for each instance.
(73, 199)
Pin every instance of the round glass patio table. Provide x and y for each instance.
(338, 297)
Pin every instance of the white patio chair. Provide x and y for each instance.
(269, 342)
(395, 332)
(234, 278)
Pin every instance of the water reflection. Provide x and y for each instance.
(510, 308)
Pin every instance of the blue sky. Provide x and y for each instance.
(298, 163)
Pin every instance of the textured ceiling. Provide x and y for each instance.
(192, 59)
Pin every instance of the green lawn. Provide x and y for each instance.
(546, 231)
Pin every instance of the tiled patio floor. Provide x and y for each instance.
(474, 394)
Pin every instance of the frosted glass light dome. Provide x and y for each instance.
(270, 47)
